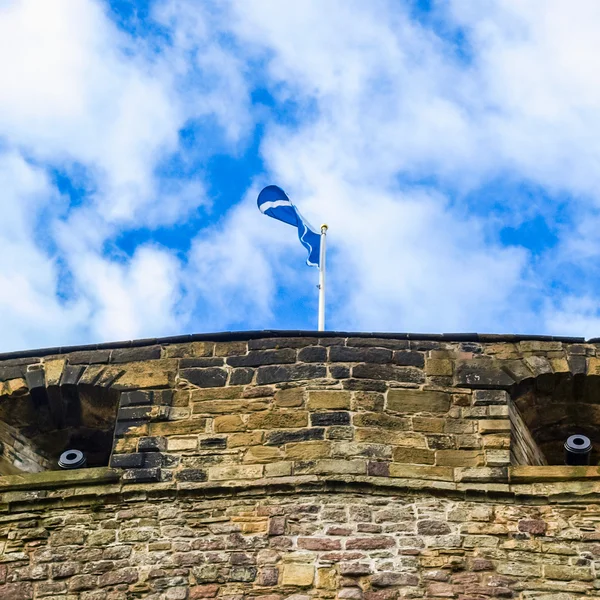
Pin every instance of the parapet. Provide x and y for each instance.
(302, 462)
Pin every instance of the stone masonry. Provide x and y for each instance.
(301, 465)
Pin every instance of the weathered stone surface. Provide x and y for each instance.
(368, 355)
(258, 358)
(388, 373)
(276, 374)
(480, 373)
(329, 400)
(206, 378)
(413, 401)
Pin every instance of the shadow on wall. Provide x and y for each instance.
(38, 423)
(546, 410)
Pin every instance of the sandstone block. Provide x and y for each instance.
(359, 355)
(328, 400)
(497, 458)
(313, 354)
(371, 419)
(278, 438)
(340, 467)
(497, 426)
(259, 358)
(283, 373)
(278, 469)
(388, 373)
(415, 401)
(319, 543)
(428, 424)
(481, 373)
(290, 397)
(191, 350)
(151, 374)
(262, 454)
(182, 443)
(298, 575)
(278, 419)
(327, 578)
(396, 438)
(228, 424)
(252, 438)
(216, 407)
(371, 543)
(205, 378)
(326, 419)
(230, 348)
(421, 472)
(459, 458)
(568, 573)
(235, 472)
(308, 450)
(440, 367)
(414, 455)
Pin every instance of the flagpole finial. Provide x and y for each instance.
(324, 228)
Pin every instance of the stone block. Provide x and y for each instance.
(490, 397)
(182, 443)
(416, 401)
(417, 456)
(494, 426)
(290, 397)
(230, 348)
(459, 458)
(262, 454)
(298, 575)
(428, 424)
(278, 419)
(205, 378)
(388, 373)
(328, 466)
(216, 443)
(409, 358)
(439, 367)
(375, 542)
(372, 419)
(497, 458)
(328, 400)
(313, 354)
(325, 419)
(125, 355)
(191, 349)
(171, 428)
(259, 358)
(211, 361)
(396, 438)
(278, 469)
(151, 374)
(252, 438)
(228, 424)
(359, 355)
(241, 376)
(568, 573)
(234, 472)
(421, 472)
(308, 450)
(481, 373)
(283, 373)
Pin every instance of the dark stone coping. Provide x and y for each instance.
(237, 336)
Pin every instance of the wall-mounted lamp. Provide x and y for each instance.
(578, 449)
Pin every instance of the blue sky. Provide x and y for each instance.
(452, 147)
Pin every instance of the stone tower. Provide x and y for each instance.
(278, 465)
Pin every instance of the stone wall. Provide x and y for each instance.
(309, 465)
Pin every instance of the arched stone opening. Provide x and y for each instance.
(46, 413)
(547, 409)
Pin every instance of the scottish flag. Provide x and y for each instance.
(274, 202)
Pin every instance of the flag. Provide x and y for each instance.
(273, 201)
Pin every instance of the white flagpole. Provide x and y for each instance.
(322, 279)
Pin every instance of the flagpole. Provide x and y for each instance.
(322, 279)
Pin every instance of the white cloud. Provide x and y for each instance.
(378, 104)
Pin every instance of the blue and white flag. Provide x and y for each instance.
(274, 202)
